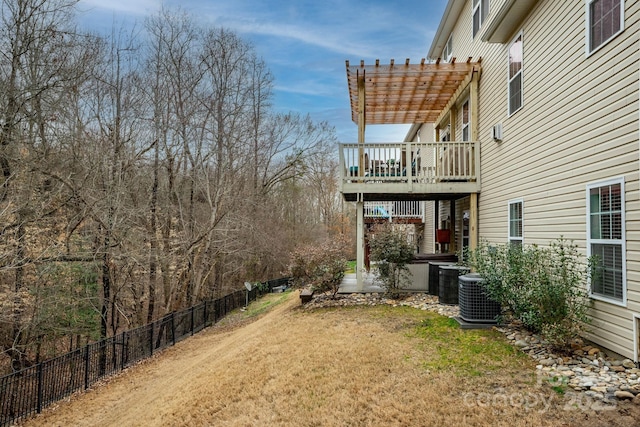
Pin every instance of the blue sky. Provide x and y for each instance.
(305, 44)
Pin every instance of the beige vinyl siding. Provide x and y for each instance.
(428, 239)
(579, 124)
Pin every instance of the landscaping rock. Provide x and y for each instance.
(623, 395)
(547, 362)
(593, 351)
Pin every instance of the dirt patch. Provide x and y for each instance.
(325, 367)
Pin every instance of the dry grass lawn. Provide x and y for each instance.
(365, 366)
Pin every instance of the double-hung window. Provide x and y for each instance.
(606, 240)
(605, 20)
(515, 222)
(465, 121)
(480, 12)
(447, 52)
(515, 74)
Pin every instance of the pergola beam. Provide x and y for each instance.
(406, 93)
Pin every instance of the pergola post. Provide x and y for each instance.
(360, 202)
(473, 199)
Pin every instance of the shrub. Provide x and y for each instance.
(544, 288)
(392, 252)
(321, 265)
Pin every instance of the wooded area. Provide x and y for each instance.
(142, 172)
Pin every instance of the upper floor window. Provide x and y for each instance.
(515, 222)
(515, 75)
(447, 51)
(445, 134)
(480, 12)
(606, 240)
(605, 19)
(465, 121)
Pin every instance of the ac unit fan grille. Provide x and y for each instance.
(475, 306)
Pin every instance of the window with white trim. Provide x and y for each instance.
(447, 52)
(465, 121)
(515, 74)
(605, 20)
(515, 222)
(445, 134)
(480, 12)
(606, 240)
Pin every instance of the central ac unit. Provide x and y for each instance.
(475, 305)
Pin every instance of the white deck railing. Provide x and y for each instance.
(427, 162)
(394, 210)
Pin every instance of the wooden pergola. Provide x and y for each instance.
(405, 93)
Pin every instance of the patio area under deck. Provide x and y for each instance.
(410, 94)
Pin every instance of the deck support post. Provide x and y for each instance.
(475, 136)
(473, 221)
(452, 227)
(360, 245)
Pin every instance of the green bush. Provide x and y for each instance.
(544, 288)
(321, 265)
(392, 252)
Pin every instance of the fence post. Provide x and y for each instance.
(192, 325)
(173, 327)
(123, 351)
(39, 369)
(86, 367)
(204, 315)
(151, 338)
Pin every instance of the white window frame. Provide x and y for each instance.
(622, 242)
(445, 133)
(447, 52)
(466, 125)
(511, 238)
(519, 73)
(482, 8)
(588, 49)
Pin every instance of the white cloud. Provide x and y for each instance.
(376, 30)
(135, 7)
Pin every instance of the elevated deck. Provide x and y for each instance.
(409, 170)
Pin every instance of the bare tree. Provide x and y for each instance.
(141, 178)
(38, 45)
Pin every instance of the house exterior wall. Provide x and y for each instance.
(428, 243)
(579, 124)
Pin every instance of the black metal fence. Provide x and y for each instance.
(27, 391)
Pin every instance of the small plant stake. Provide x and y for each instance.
(248, 286)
